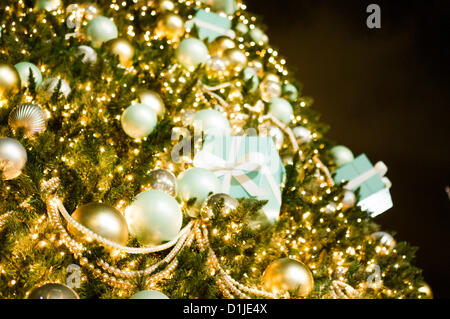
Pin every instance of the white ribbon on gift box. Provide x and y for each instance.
(200, 23)
(253, 161)
(380, 168)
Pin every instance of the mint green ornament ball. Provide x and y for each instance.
(281, 109)
(212, 122)
(149, 294)
(290, 91)
(192, 52)
(197, 183)
(138, 120)
(101, 29)
(154, 217)
(23, 68)
(341, 155)
(251, 74)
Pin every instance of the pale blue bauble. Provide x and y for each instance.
(290, 91)
(212, 122)
(23, 68)
(149, 294)
(197, 183)
(251, 74)
(341, 155)
(281, 109)
(138, 120)
(192, 52)
(154, 217)
(101, 29)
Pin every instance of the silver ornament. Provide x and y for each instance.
(13, 157)
(385, 239)
(222, 202)
(29, 116)
(349, 200)
(163, 180)
(277, 136)
(302, 134)
(88, 53)
(50, 85)
(269, 89)
(53, 291)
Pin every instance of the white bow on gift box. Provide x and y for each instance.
(239, 168)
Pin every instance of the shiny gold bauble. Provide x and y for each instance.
(166, 5)
(219, 45)
(53, 291)
(9, 79)
(123, 49)
(284, 275)
(236, 59)
(103, 220)
(170, 26)
(272, 77)
(426, 290)
(153, 100)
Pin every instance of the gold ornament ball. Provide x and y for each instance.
(103, 220)
(272, 77)
(170, 26)
(9, 79)
(53, 291)
(219, 45)
(220, 202)
(153, 100)
(237, 60)
(123, 49)
(285, 275)
(166, 5)
(426, 290)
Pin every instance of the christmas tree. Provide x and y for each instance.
(102, 104)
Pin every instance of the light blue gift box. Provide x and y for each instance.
(211, 25)
(373, 187)
(227, 6)
(247, 166)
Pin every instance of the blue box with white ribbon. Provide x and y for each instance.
(374, 195)
(210, 25)
(247, 166)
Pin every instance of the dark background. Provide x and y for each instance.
(384, 92)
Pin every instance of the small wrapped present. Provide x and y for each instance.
(374, 195)
(211, 25)
(247, 166)
(227, 6)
